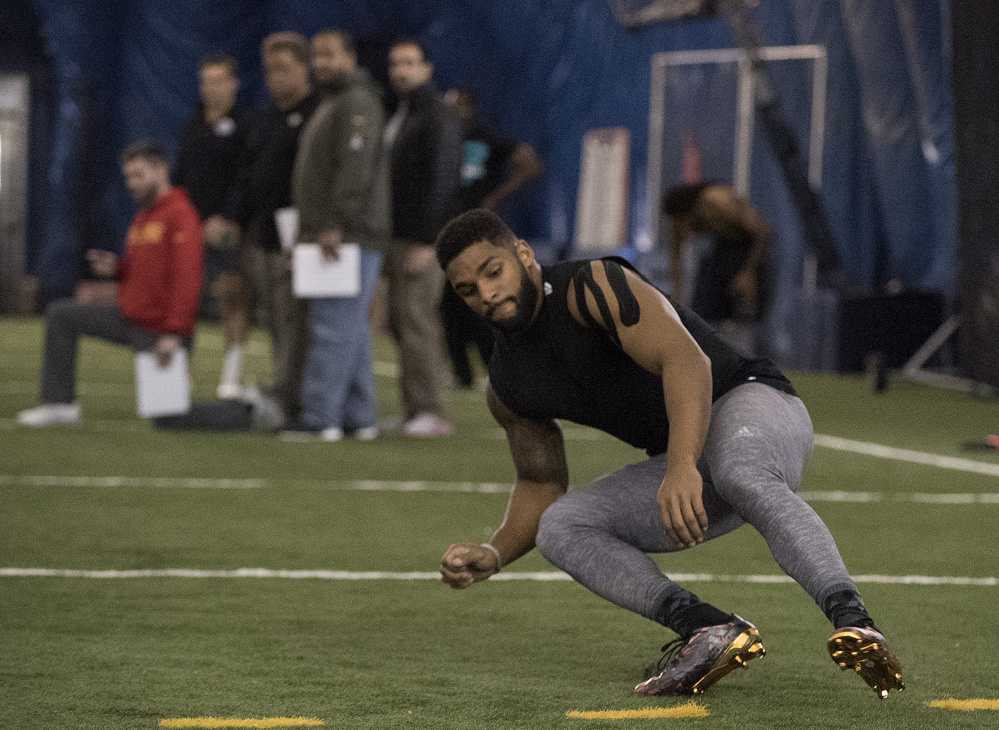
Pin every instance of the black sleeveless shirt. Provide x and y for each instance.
(558, 368)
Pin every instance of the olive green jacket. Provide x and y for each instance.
(341, 176)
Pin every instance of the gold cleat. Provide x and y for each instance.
(690, 666)
(866, 652)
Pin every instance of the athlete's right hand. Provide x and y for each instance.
(466, 563)
(681, 506)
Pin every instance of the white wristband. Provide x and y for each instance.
(499, 560)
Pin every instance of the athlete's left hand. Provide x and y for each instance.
(682, 509)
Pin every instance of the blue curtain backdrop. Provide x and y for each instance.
(545, 72)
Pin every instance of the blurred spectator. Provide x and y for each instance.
(734, 279)
(341, 189)
(158, 283)
(494, 167)
(264, 187)
(212, 145)
(426, 166)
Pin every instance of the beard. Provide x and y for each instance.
(525, 302)
(147, 195)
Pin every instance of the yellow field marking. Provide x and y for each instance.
(219, 722)
(691, 709)
(953, 704)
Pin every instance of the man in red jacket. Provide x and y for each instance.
(158, 284)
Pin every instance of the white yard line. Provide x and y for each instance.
(907, 455)
(156, 482)
(541, 576)
(920, 497)
(375, 485)
(571, 432)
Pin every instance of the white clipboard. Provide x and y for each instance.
(162, 391)
(316, 276)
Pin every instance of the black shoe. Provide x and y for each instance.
(690, 666)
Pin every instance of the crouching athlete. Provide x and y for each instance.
(727, 437)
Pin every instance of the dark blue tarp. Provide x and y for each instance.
(546, 72)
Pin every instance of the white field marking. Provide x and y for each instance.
(374, 485)
(572, 433)
(914, 457)
(841, 496)
(158, 482)
(361, 485)
(918, 497)
(541, 576)
(370, 485)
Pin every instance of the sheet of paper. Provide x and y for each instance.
(162, 391)
(315, 276)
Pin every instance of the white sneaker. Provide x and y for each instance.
(331, 434)
(51, 414)
(427, 425)
(229, 391)
(369, 433)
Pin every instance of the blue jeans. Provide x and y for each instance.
(338, 388)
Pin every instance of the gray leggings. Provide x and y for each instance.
(758, 441)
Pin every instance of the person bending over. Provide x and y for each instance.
(734, 283)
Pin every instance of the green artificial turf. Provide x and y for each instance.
(385, 653)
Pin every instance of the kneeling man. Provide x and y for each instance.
(158, 284)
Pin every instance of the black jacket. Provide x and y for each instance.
(209, 156)
(264, 183)
(426, 167)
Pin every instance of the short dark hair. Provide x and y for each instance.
(427, 58)
(680, 200)
(144, 149)
(217, 58)
(470, 228)
(288, 40)
(346, 40)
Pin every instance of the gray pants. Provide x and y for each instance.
(285, 317)
(757, 444)
(65, 321)
(415, 322)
